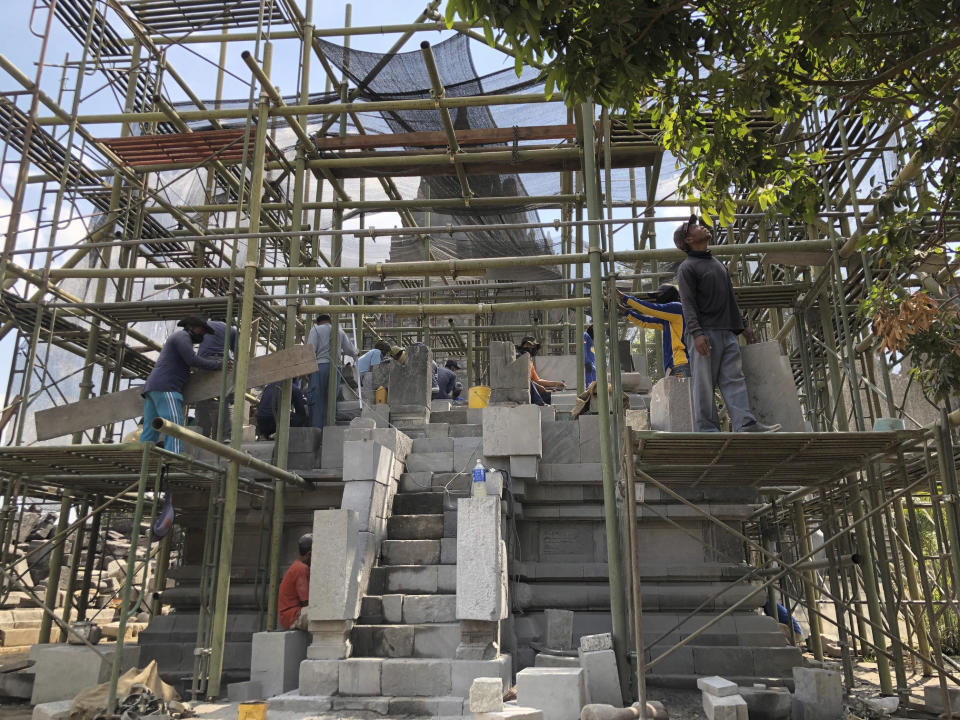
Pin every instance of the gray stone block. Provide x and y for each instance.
(319, 677)
(383, 641)
(559, 634)
(416, 677)
(448, 551)
(512, 431)
(561, 661)
(465, 671)
(410, 383)
(331, 454)
(61, 671)
(589, 438)
(419, 609)
(360, 676)
(410, 552)
(770, 386)
(418, 580)
(275, 659)
(601, 677)
(367, 498)
(466, 452)
(671, 405)
(730, 707)
(335, 572)
(367, 460)
(767, 703)
(558, 367)
(934, 701)
(480, 571)
(392, 608)
(380, 414)
(243, 691)
(558, 692)
(592, 643)
(717, 686)
(430, 462)
(433, 444)
(561, 442)
(486, 695)
(818, 694)
(58, 710)
(447, 578)
(436, 641)
(511, 712)
(524, 466)
(415, 527)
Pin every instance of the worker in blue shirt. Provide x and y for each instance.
(163, 391)
(589, 358)
(664, 314)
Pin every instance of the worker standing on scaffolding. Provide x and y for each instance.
(319, 340)
(163, 391)
(713, 321)
(665, 313)
(215, 346)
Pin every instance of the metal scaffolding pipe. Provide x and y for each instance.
(435, 267)
(226, 452)
(449, 308)
(62, 117)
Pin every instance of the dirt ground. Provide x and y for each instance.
(682, 704)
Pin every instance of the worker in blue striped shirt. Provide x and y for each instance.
(664, 314)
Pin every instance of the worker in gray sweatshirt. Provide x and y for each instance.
(713, 321)
(163, 391)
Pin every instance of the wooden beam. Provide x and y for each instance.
(202, 385)
(483, 136)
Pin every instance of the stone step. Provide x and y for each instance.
(726, 660)
(419, 503)
(415, 527)
(446, 706)
(432, 445)
(415, 579)
(689, 681)
(398, 609)
(466, 431)
(430, 462)
(453, 483)
(410, 552)
(425, 640)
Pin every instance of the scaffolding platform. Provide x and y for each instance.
(768, 460)
(103, 468)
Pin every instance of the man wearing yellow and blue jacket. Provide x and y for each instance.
(666, 315)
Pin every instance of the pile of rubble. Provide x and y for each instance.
(20, 606)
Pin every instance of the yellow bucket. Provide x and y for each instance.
(478, 396)
(252, 711)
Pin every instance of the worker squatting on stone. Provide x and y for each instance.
(539, 388)
(294, 593)
(319, 340)
(269, 408)
(713, 322)
(664, 313)
(445, 383)
(163, 391)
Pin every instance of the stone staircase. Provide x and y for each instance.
(404, 643)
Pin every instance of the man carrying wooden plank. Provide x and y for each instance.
(163, 392)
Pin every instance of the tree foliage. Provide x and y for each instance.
(750, 96)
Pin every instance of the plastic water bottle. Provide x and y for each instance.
(479, 480)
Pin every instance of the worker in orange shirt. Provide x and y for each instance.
(539, 388)
(294, 591)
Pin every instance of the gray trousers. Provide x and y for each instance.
(721, 369)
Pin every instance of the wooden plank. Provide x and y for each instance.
(202, 385)
(482, 136)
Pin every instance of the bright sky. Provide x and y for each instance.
(197, 63)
